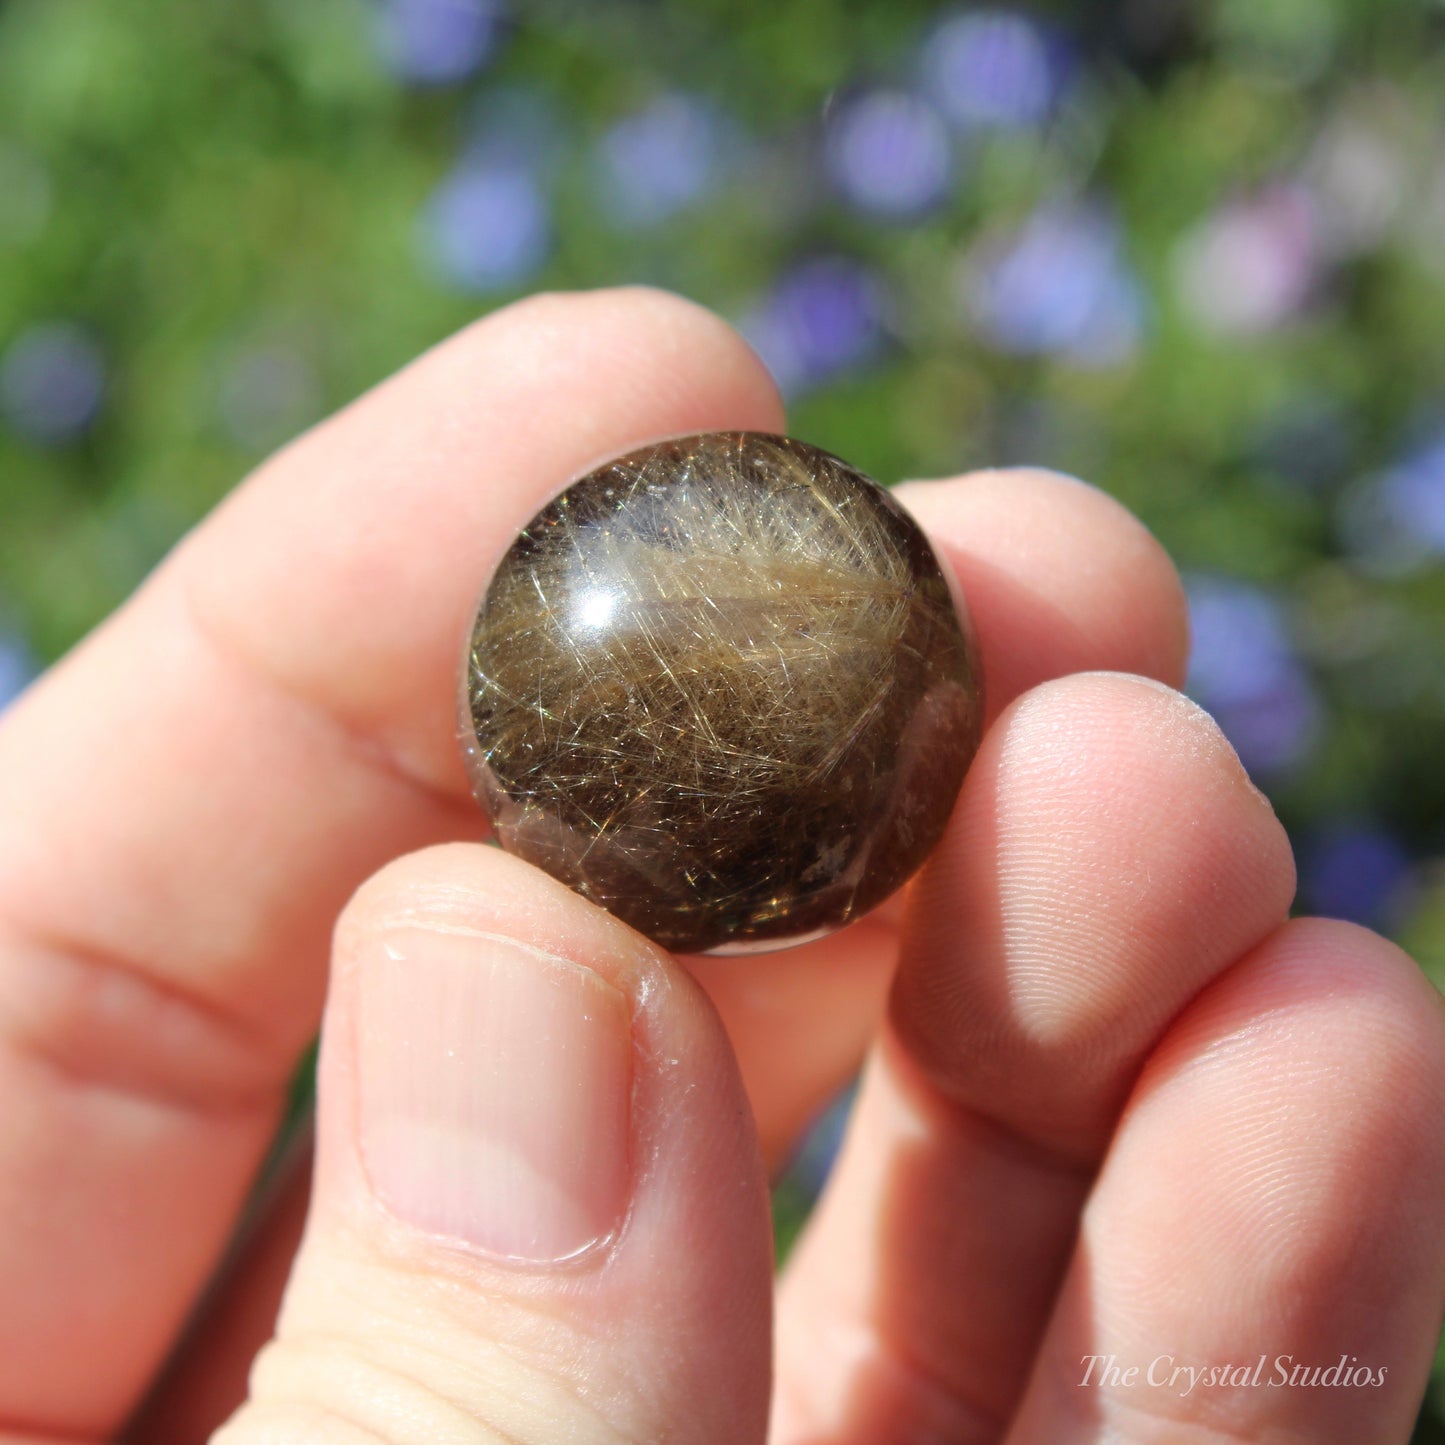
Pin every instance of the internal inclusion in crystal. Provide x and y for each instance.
(722, 687)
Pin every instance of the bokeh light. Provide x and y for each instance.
(52, 382)
(488, 226)
(823, 319)
(1058, 285)
(660, 160)
(1357, 871)
(888, 154)
(993, 69)
(437, 42)
(1251, 265)
(1414, 495)
(1355, 178)
(1392, 523)
(1244, 668)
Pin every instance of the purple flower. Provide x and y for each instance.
(887, 153)
(1356, 871)
(52, 383)
(1244, 670)
(822, 319)
(437, 42)
(993, 69)
(1059, 285)
(488, 227)
(660, 160)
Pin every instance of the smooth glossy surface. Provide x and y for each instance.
(722, 687)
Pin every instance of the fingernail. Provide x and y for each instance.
(494, 1093)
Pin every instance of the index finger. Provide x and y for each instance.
(192, 794)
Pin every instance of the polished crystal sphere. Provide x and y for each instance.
(723, 687)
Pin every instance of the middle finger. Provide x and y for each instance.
(1107, 859)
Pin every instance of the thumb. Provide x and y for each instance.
(539, 1210)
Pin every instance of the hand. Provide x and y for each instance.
(1114, 1105)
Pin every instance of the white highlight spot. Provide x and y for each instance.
(595, 607)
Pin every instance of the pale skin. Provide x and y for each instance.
(1115, 1104)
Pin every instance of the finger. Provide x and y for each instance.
(204, 1380)
(539, 1211)
(1059, 578)
(1263, 1246)
(800, 1024)
(1108, 857)
(192, 794)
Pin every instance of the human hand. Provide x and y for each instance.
(1115, 1105)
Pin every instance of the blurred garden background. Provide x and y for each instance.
(1192, 250)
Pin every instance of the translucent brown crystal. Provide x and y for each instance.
(722, 687)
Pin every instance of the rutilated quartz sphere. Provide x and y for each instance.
(722, 687)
